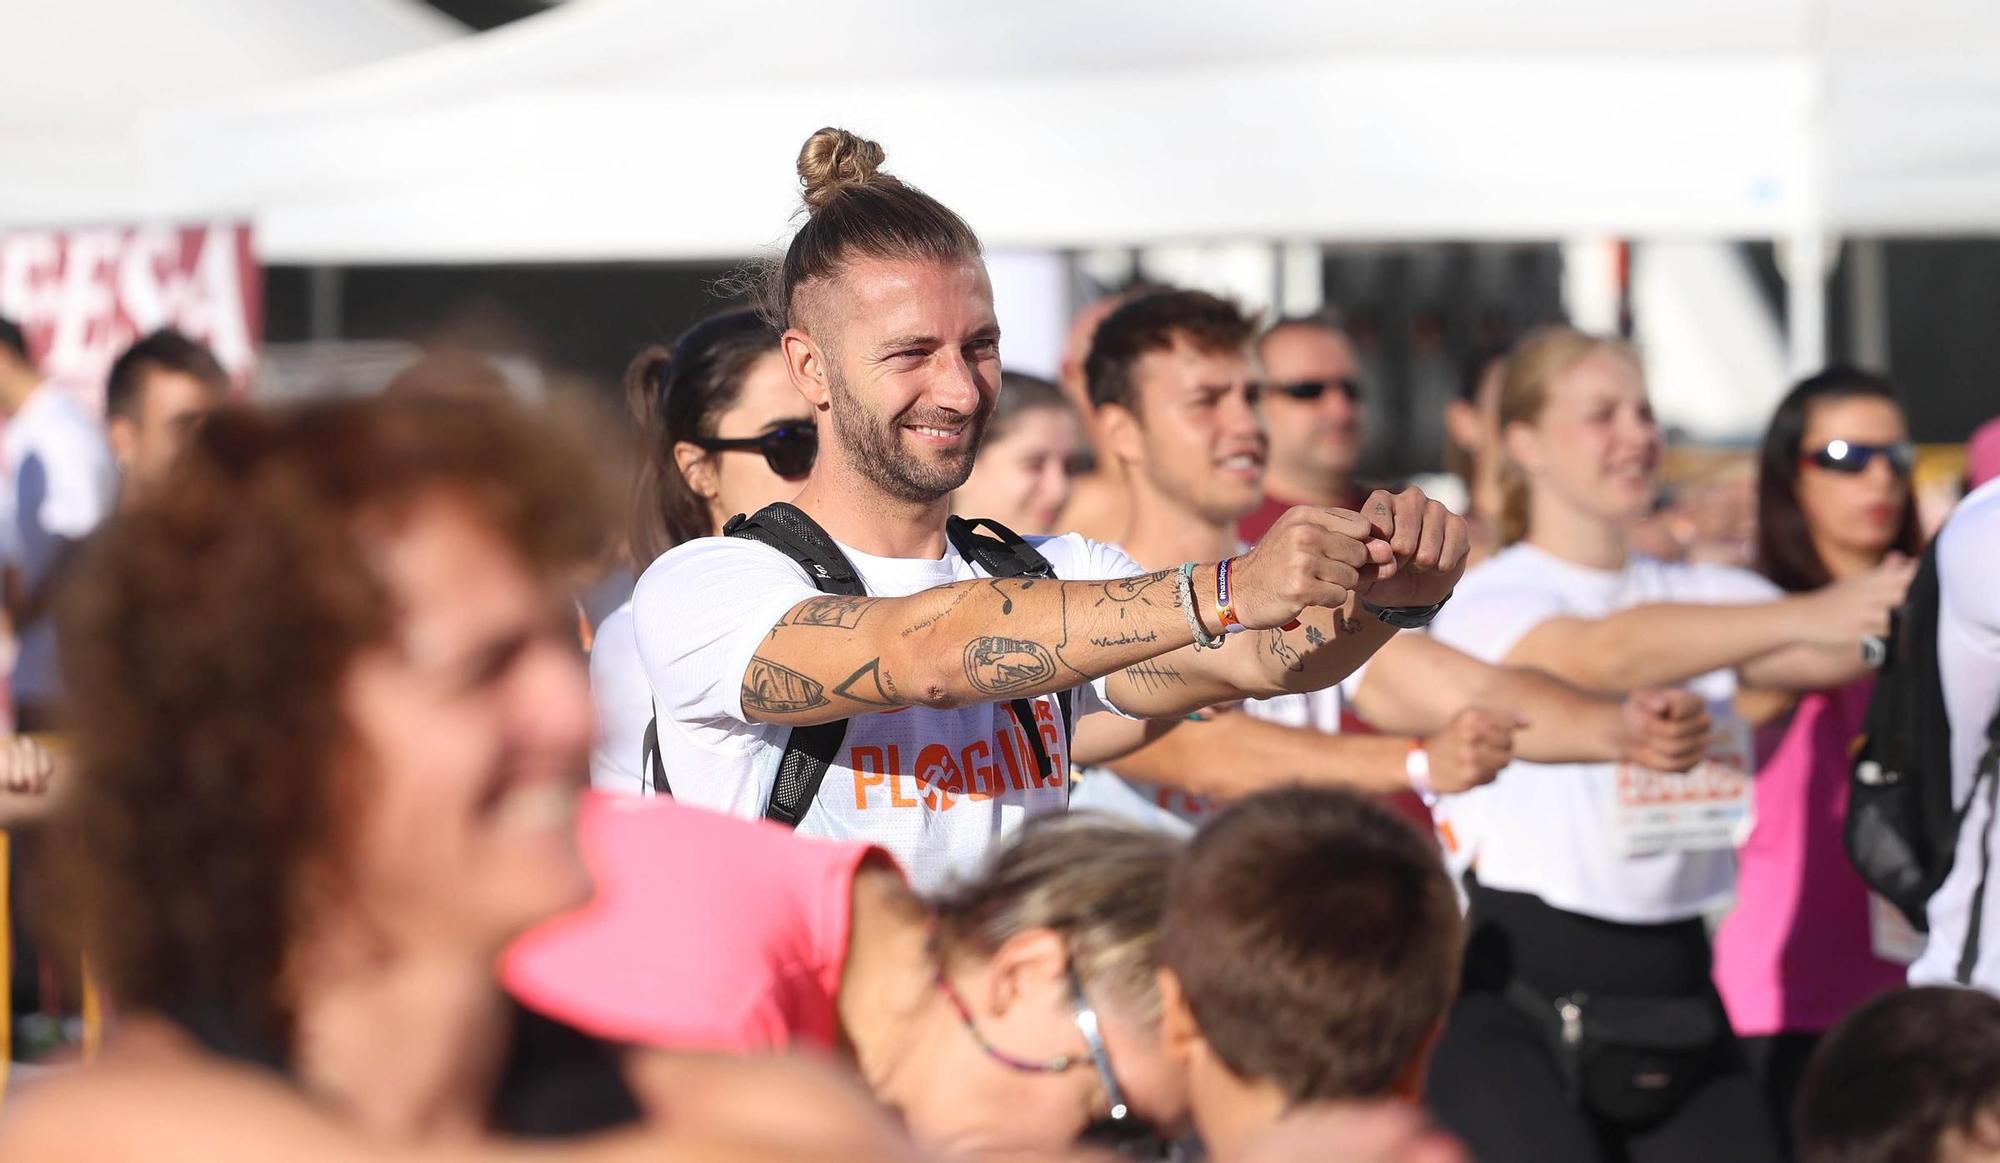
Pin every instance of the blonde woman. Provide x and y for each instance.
(1588, 1028)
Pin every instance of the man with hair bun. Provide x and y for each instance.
(955, 687)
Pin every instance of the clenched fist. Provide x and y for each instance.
(1310, 558)
(1472, 749)
(1428, 545)
(1665, 730)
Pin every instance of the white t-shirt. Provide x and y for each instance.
(936, 788)
(1969, 668)
(1171, 810)
(61, 481)
(1565, 832)
(624, 706)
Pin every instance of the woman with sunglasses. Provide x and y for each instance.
(1015, 1012)
(1588, 883)
(1027, 459)
(722, 432)
(1804, 948)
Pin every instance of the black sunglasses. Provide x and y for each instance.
(1314, 389)
(1845, 456)
(789, 448)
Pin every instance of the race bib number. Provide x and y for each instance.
(1710, 807)
(1891, 934)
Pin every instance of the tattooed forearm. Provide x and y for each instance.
(1315, 638)
(771, 689)
(1284, 651)
(1006, 666)
(1155, 677)
(1347, 623)
(871, 685)
(838, 611)
(1125, 638)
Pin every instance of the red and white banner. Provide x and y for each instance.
(82, 296)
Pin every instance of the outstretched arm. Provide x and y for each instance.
(992, 639)
(1417, 684)
(1804, 642)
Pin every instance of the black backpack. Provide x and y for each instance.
(811, 750)
(1902, 818)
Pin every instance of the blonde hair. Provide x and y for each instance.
(854, 210)
(1098, 882)
(1542, 357)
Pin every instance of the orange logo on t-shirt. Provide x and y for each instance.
(942, 775)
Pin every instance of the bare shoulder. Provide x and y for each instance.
(154, 1094)
(1097, 508)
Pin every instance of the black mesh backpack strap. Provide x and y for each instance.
(1001, 552)
(1986, 776)
(811, 750)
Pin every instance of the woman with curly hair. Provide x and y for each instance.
(330, 725)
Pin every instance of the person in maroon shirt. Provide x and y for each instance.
(1313, 410)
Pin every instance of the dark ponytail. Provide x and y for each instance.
(677, 395)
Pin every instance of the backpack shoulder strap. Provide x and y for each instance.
(810, 751)
(1001, 552)
(1987, 774)
(787, 529)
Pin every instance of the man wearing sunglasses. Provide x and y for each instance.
(1313, 406)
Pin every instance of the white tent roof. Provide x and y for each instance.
(627, 129)
(79, 73)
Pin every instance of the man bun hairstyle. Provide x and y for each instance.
(855, 211)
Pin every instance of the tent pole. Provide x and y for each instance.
(1805, 301)
(1868, 302)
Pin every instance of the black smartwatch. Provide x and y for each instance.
(1406, 617)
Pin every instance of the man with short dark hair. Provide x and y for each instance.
(1177, 403)
(157, 391)
(60, 482)
(1911, 1077)
(1309, 952)
(1315, 410)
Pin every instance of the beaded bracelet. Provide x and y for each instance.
(1184, 586)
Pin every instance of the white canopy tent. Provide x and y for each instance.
(635, 130)
(79, 74)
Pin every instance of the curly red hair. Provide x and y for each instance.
(205, 640)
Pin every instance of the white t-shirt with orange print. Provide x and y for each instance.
(935, 788)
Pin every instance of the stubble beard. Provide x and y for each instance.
(876, 449)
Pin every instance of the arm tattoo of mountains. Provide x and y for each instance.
(1006, 666)
(778, 690)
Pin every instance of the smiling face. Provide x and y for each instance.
(904, 358)
(1196, 438)
(1594, 450)
(470, 729)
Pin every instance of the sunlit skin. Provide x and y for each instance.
(900, 361)
(1315, 444)
(1853, 517)
(734, 481)
(165, 409)
(1592, 458)
(1200, 439)
(1022, 478)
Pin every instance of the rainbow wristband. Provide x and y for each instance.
(1230, 622)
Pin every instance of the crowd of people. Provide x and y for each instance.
(982, 766)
